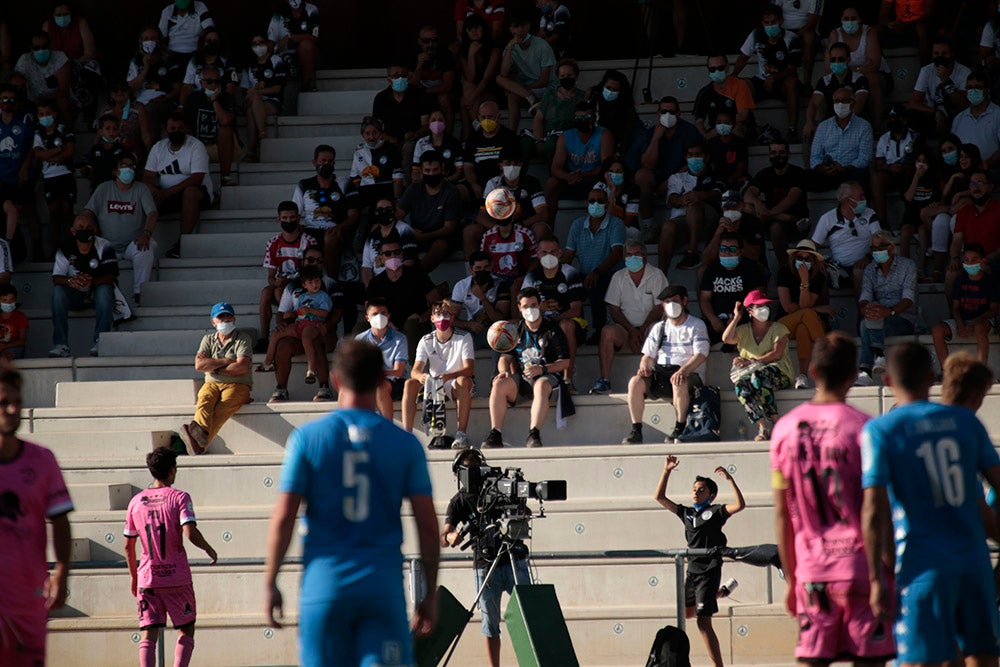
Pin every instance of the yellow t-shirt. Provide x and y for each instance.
(750, 349)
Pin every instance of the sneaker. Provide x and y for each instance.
(192, 447)
(571, 387)
(634, 437)
(879, 365)
(60, 351)
(864, 379)
(93, 350)
(137, 299)
(675, 435)
(175, 251)
(260, 347)
(801, 382)
(461, 441)
(534, 438)
(601, 386)
(493, 440)
(310, 377)
(199, 434)
(691, 260)
(803, 224)
(229, 180)
(440, 442)
(279, 394)
(323, 394)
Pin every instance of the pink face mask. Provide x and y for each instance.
(442, 324)
(437, 126)
(394, 263)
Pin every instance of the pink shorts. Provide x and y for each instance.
(836, 623)
(156, 604)
(302, 325)
(22, 639)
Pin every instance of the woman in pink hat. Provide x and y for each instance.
(762, 366)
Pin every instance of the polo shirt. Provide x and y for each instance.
(983, 131)
(849, 240)
(636, 301)
(393, 346)
(593, 248)
(238, 345)
(980, 226)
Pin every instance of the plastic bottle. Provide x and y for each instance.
(742, 430)
(727, 588)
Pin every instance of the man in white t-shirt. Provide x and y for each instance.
(672, 364)
(939, 93)
(181, 22)
(445, 354)
(483, 298)
(177, 175)
(848, 231)
(633, 305)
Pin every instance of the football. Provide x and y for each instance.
(500, 204)
(502, 336)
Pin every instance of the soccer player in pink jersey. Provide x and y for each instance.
(31, 490)
(816, 476)
(160, 517)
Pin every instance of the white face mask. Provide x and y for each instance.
(379, 321)
(225, 328)
(732, 214)
(511, 172)
(531, 314)
(259, 50)
(148, 45)
(673, 309)
(549, 261)
(842, 109)
(668, 120)
(761, 313)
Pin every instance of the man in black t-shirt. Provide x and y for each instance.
(703, 523)
(434, 73)
(403, 110)
(725, 282)
(533, 368)
(102, 159)
(729, 152)
(777, 196)
(483, 148)
(210, 114)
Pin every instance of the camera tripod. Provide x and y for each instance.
(505, 549)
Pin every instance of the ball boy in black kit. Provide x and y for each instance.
(703, 523)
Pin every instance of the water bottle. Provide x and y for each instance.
(742, 430)
(728, 587)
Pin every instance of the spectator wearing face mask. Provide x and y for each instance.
(102, 158)
(804, 297)
(484, 148)
(134, 129)
(377, 167)
(623, 196)
(822, 98)
(843, 147)
(729, 152)
(974, 307)
(777, 196)
(895, 153)
(848, 231)
(180, 24)
(70, 33)
(693, 194)
(294, 30)
(210, 113)
(555, 26)
(447, 146)
(526, 68)
(402, 109)
(283, 259)
(554, 113)
(612, 97)
(723, 93)
(484, 298)
(578, 162)
(939, 93)
(979, 124)
(433, 209)
(263, 85)
(664, 155)
(393, 345)
(17, 135)
(47, 74)
(976, 222)
(55, 146)
(531, 211)
(209, 54)
(384, 225)
(725, 283)
(154, 77)
(737, 218)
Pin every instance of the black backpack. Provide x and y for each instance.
(704, 417)
(671, 648)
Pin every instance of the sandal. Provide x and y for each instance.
(310, 377)
(264, 368)
(280, 394)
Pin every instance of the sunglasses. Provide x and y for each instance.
(729, 248)
(7, 100)
(211, 80)
(720, 68)
(666, 111)
(840, 59)
(881, 247)
(595, 201)
(39, 48)
(391, 253)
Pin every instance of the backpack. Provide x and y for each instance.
(705, 416)
(671, 648)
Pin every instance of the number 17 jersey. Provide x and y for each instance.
(156, 517)
(928, 456)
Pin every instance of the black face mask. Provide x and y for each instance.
(289, 225)
(584, 126)
(83, 235)
(325, 170)
(433, 180)
(176, 138)
(211, 49)
(942, 61)
(482, 278)
(384, 216)
(568, 82)
(779, 162)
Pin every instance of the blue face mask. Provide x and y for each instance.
(617, 178)
(729, 262)
(880, 256)
(772, 31)
(400, 84)
(610, 95)
(724, 129)
(126, 175)
(860, 207)
(850, 27)
(374, 146)
(975, 96)
(546, 9)
(950, 158)
(972, 269)
(596, 209)
(42, 56)
(63, 20)
(634, 263)
(701, 507)
(46, 121)
(799, 263)
(840, 69)
(695, 164)
(717, 77)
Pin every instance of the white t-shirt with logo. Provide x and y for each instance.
(679, 342)
(846, 246)
(447, 357)
(174, 167)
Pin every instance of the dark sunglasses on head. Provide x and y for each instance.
(729, 248)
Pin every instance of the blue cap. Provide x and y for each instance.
(223, 308)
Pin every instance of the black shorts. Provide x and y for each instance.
(527, 389)
(701, 591)
(172, 204)
(660, 385)
(19, 194)
(60, 188)
(397, 389)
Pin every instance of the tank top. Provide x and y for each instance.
(860, 55)
(68, 39)
(581, 156)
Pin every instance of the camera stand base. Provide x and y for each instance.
(537, 628)
(452, 617)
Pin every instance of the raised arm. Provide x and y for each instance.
(740, 503)
(660, 495)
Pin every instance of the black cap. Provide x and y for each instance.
(673, 290)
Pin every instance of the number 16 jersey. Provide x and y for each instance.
(816, 460)
(928, 456)
(156, 517)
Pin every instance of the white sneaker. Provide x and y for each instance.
(461, 441)
(93, 351)
(801, 382)
(864, 380)
(60, 351)
(879, 365)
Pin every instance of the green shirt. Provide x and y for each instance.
(750, 349)
(238, 345)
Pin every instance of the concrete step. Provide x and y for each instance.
(201, 292)
(137, 343)
(125, 394)
(79, 448)
(337, 102)
(247, 244)
(300, 149)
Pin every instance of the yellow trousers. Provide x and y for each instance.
(217, 402)
(805, 326)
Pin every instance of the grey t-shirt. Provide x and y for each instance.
(121, 215)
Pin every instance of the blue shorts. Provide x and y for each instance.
(501, 582)
(939, 608)
(356, 631)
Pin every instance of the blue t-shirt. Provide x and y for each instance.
(928, 455)
(394, 346)
(16, 142)
(353, 468)
(320, 301)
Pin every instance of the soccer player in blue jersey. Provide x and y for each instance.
(352, 469)
(919, 470)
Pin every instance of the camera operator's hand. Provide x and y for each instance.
(451, 539)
